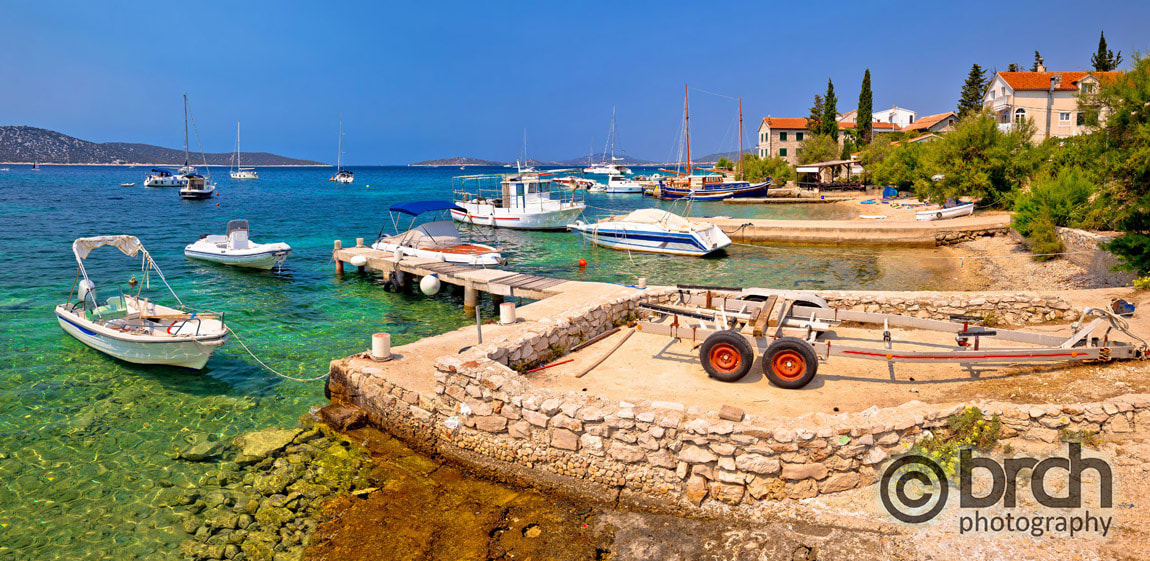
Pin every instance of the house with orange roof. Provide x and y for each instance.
(942, 122)
(1050, 100)
(783, 136)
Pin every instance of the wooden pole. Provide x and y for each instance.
(687, 121)
(740, 165)
(338, 263)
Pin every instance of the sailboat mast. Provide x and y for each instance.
(238, 163)
(740, 166)
(687, 121)
(185, 129)
(339, 156)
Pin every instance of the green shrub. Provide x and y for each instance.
(967, 429)
(1052, 202)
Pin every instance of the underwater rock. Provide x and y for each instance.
(342, 417)
(202, 451)
(256, 446)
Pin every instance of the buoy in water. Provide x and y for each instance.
(582, 262)
(429, 285)
(217, 204)
(358, 260)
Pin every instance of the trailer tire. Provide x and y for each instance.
(790, 363)
(726, 356)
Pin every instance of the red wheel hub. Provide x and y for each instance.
(788, 365)
(725, 358)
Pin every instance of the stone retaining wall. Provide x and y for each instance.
(1085, 250)
(1006, 308)
(664, 455)
(952, 237)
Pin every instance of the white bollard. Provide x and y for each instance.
(642, 282)
(381, 346)
(507, 313)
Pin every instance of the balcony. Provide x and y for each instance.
(1005, 127)
(1002, 103)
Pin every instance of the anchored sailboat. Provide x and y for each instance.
(196, 186)
(341, 175)
(614, 166)
(240, 172)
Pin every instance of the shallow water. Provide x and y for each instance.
(85, 439)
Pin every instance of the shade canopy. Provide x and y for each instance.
(415, 208)
(128, 245)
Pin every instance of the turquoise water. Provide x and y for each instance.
(85, 439)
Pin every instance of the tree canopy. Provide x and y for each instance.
(757, 169)
(830, 120)
(970, 100)
(1038, 61)
(815, 120)
(1105, 60)
(818, 148)
(865, 111)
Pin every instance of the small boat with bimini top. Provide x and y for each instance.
(135, 329)
(236, 248)
(521, 201)
(656, 231)
(437, 239)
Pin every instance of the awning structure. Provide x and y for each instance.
(129, 245)
(416, 208)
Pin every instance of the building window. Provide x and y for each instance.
(1064, 117)
(799, 136)
(782, 137)
(783, 152)
(992, 95)
(1088, 88)
(1081, 118)
(1020, 115)
(911, 120)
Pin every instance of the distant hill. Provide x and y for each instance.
(29, 144)
(712, 158)
(458, 161)
(603, 157)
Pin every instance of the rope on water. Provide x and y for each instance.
(265, 365)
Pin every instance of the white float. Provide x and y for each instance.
(429, 285)
(358, 260)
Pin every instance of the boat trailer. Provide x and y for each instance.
(787, 327)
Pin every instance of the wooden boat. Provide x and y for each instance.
(436, 239)
(945, 212)
(135, 329)
(236, 249)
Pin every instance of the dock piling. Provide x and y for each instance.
(470, 297)
(338, 263)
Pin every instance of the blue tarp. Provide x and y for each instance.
(889, 192)
(415, 208)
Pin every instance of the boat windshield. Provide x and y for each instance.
(234, 225)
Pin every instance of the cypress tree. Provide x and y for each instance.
(815, 120)
(830, 123)
(1037, 60)
(1105, 60)
(865, 111)
(970, 100)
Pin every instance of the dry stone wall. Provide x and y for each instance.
(1085, 250)
(1005, 308)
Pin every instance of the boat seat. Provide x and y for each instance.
(239, 239)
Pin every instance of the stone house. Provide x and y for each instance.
(783, 136)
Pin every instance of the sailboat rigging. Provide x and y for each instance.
(341, 175)
(241, 172)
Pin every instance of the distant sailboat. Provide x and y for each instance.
(341, 175)
(36, 165)
(196, 186)
(241, 172)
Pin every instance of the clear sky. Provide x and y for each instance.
(430, 79)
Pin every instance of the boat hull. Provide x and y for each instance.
(637, 237)
(465, 254)
(722, 191)
(164, 182)
(244, 175)
(195, 194)
(265, 257)
(945, 213)
(187, 352)
(488, 215)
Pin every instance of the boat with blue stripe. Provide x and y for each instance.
(655, 231)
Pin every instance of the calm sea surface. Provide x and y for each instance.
(85, 440)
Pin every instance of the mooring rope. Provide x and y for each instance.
(265, 365)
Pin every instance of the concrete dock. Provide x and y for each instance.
(863, 232)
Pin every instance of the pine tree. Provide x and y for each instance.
(865, 111)
(830, 122)
(970, 100)
(1105, 60)
(815, 120)
(1037, 61)
(1013, 68)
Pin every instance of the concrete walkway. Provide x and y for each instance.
(862, 232)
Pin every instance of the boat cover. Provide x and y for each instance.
(663, 218)
(433, 235)
(129, 245)
(415, 208)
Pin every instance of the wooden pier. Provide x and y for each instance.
(474, 280)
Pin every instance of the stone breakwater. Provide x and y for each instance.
(663, 455)
(1002, 308)
(263, 502)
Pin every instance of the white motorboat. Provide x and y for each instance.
(945, 212)
(617, 184)
(197, 187)
(656, 231)
(163, 178)
(341, 175)
(241, 172)
(235, 248)
(519, 201)
(127, 185)
(132, 328)
(573, 182)
(437, 239)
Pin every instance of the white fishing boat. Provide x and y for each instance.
(945, 212)
(163, 178)
(341, 175)
(236, 248)
(135, 329)
(656, 231)
(521, 201)
(240, 172)
(437, 239)
(617, 184)
(195, 186)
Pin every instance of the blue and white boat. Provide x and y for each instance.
(655, 231)
(163, 178)
(709, 187)
(236, 249)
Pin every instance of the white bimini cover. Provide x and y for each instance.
(129, 245)
(668, 220)
(431, 235)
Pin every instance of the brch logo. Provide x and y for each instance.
(915, 489)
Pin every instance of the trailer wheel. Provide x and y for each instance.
(790, 363)
(726, 356)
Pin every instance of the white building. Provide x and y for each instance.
(895, 115)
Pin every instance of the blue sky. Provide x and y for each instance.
(420, 80)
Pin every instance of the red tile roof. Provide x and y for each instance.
(800, 123)
(929, 121)
(1041, 80)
